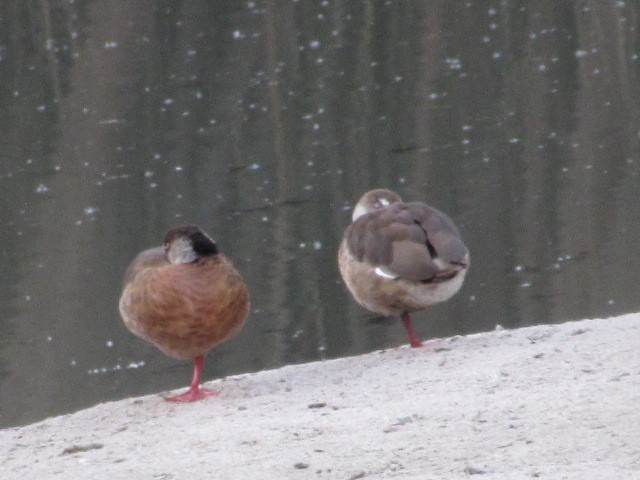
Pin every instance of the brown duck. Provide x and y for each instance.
(185, 298)
(397, 258)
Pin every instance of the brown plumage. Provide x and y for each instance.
(398, 258)
(185, 298)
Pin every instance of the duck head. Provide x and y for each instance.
(373, 200)
(187, 244)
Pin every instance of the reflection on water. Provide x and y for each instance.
(263, 122)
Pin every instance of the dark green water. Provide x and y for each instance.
(263, 121)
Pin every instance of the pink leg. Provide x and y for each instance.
(413, 338)
(195, 392)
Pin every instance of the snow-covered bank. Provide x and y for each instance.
(551, 402)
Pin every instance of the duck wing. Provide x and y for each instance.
(412, 241)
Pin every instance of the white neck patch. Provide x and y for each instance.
(181, 251)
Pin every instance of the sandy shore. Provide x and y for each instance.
(549, 402)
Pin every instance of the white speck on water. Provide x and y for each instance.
(611, 301)
(496, 55)
(297, 333)
(518, 268)
(485, 39)
(153, 185)
(402, 180)
(314, 44)
(320, 60)
(317, 245)
(73, 363)
(542, 67)
(254, 166)
(397, 78)
(302, 245)
(492, 12)
(433, 96)
(49, 338)
(596, 71)
(191, 52)
(41, 108)
(178, 168)
(466, 141)
(109, 45)
(109, 343)
(90, 210)
(472, 298)
(148, 173)
(27, 298)
(238, 35)
(581, 53)
(454, 63)
(493, 26)
(525, 284)
(136, 365)
(514, 140)
(168, 101)
(42, 188)
(308, 187)
(265, 219)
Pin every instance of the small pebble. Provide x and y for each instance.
(474, 471)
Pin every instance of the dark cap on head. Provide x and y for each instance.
(201, 243)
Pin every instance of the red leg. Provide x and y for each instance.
(413, 338)
(195, 392)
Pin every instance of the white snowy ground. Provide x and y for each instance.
(548, 402)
